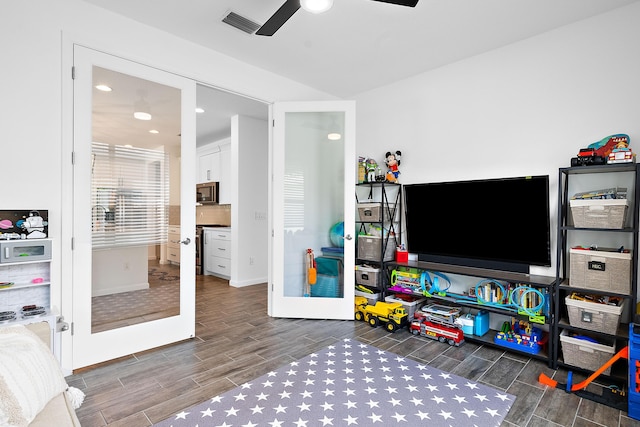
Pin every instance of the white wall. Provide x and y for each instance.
(249, 157)
(524, 109)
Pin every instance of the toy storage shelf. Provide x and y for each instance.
(379, 206)
(543, 283)
(567, 320)
(26, 265)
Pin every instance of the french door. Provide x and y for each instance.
(132, 178)
(313, 207)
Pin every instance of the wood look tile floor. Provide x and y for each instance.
(237, 341)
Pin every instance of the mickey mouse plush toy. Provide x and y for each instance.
(392, 160)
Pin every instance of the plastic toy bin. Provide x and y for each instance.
(634, 374)
(367, 275)
(604, 269)
(599, 213)
(410, 302)
(585, 353)
(370, 248)
(371, 298)
(594, 316)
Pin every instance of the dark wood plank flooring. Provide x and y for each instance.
(237, 341)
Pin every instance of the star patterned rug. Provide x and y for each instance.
(351, 384)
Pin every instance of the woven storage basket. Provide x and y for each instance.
(594, 316)
(599, 213)
(603, 269)
(370, 248)
(585, 354)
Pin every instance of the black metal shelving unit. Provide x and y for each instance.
(387, 196)
(620, 175)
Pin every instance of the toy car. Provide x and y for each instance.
(621, 155)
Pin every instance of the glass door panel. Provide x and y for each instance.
(313, 205)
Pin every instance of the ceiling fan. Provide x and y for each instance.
(290, 7)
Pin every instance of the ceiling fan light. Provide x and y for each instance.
(316, 6)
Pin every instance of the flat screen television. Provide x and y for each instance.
(499, 224)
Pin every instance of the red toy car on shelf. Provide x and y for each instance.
(598, 152)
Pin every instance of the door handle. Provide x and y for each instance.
(186, 241)
(348, 237)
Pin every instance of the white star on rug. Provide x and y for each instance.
(469, 413)
(491, 412)
(182, 415)
(232, 411)
(372, 404)
(207, 413)
(326, 421)
(399, 417)
(423, 415)
(375, 418)
(445, 415)
(351, 420)
(327, 406)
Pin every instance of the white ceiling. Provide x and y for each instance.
(358, 45)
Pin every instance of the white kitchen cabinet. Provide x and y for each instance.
(173, 244)
(208, 167)
(213, 161)
(217, 252)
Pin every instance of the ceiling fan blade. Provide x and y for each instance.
(278, 19)
(410, 3)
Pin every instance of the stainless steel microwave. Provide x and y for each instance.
(207, 193)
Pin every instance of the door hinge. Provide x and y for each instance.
(273, 123)
(73, 157)
(72, 243)
(73, 72)
(72, 329)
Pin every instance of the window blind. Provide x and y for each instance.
(129, 196)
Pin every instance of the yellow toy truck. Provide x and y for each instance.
(393, 314)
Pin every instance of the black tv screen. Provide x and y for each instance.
(500, 224)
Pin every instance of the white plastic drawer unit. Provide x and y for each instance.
(12, 251)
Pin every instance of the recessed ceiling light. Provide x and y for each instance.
(141, 115)
(199, 110)
(153, 131)
(334, 136)
(103, 88)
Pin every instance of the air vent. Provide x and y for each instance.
(241, 23)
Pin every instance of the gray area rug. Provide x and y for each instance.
(351, 384)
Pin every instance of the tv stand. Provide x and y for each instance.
(476, 263)
(462, 276)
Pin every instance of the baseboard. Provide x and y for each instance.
(250, 282)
